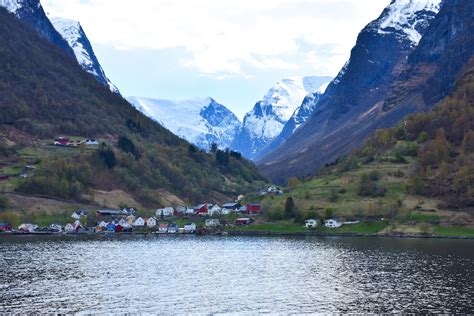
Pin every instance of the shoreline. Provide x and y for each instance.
(252, 234)
(358, 235)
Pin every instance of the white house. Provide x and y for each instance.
(214, 210)
(180, 209)
(311, 223)
(56, 227)
(332, 223)
(103, 224)
(166, 212)
(75, 215)
(190, 228)
(163, 228)
(272, 189)
(28, 227)
(151, 222)
(69, 228)
(90, 142)
(212, 222)
(139, 222)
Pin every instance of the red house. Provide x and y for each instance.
(253, 208)
(202, 209)
(4, 227)
(4, 178)
(61, 141)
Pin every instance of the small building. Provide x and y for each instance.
(173, 229)
(69, 228)
(263, 193)
(240, 198)
(151, 222)
(109, 212)
(202, 209)
(76, 216)
(242, 221)
(165, 212)
(5, 227)
(253, 208)
(130, 219)
(163, 228)
(139, 222)
(180, 209)
(214, 210)
(332, 223)
(311, 223)
(111, 227)
(272, 189)
(212, 222)
(91, 142)
(27, 228)
(61, 141)
(56, 228)
(233, 206)
(190, 228)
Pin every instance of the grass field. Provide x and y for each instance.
(453, 231)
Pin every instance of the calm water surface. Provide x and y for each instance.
(234, 275)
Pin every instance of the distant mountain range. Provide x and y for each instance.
(204, 121)
(201, 121)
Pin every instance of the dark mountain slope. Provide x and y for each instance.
(31, 13)
(354, 107)
(44, 93)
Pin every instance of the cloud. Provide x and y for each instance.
(225, 37)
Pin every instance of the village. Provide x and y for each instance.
(205, 218)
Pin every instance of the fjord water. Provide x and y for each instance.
(213, 275)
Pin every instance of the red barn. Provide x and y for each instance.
(4, 227)
(253, 208)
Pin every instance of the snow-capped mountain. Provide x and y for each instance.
(31, 12)
(346, 114)
(201, 121)
(74, 34)
(299, 117)
(268, 117)
(407, 18)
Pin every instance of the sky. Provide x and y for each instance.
(231, 50)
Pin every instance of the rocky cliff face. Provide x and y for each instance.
(350, 109)
(31, 12)
(74, 34)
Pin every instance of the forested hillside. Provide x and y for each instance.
(415, 177)
(44, 94)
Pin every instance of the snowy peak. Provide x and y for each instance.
(201, 121)
(269, 116)
(407, 17)
(74, 34)
(286, 95)
(31, 12)
(11, 5)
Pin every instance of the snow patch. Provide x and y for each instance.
(402, 16)
(201, 121)
(11, 5)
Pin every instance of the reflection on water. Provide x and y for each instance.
(213, 275)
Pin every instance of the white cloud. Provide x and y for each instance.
(229, 37)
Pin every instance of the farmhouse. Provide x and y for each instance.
(311, 223)
(214, 210)
(190, 228)
(151, 222)
(212, 222)
(332, 223)
(242, 221)
(139, 222)
(165, 212)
